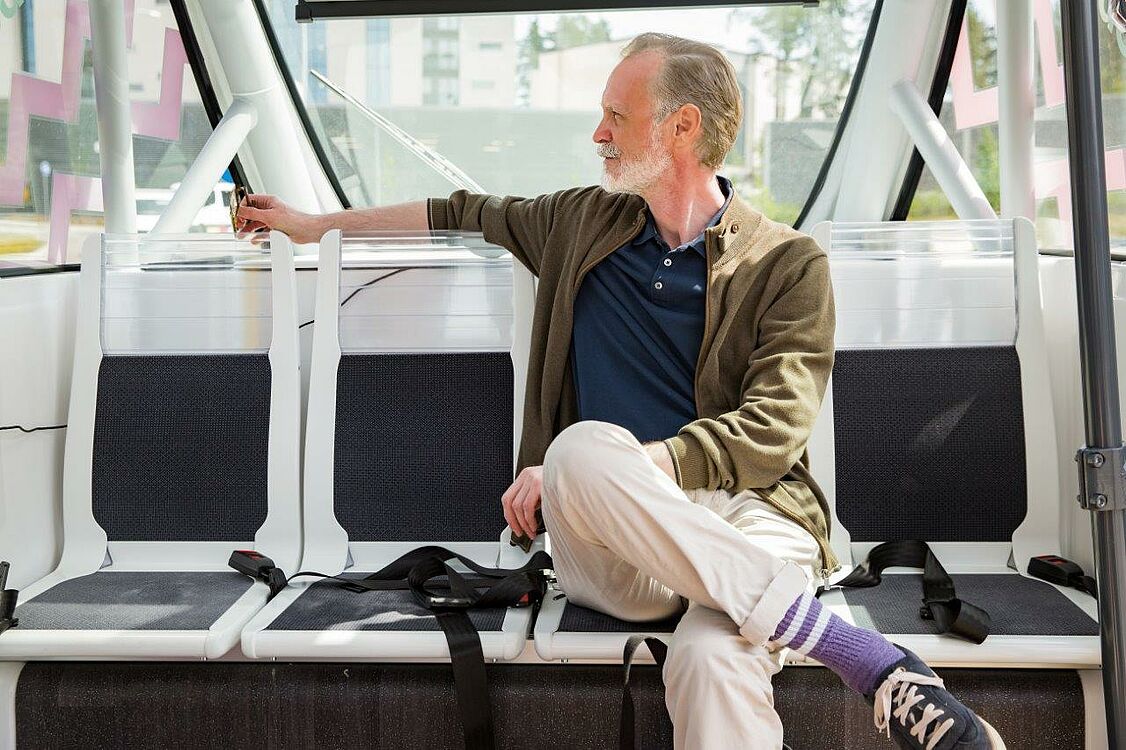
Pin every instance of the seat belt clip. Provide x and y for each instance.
(258, 566)
(8, 598)
(1062, 572)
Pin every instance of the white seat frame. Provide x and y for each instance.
(1038, 534)
(327, 547)
(86, 549)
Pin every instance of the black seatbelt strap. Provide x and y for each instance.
(420, 571)
(626, 730)
(470, 680)
(940, 603)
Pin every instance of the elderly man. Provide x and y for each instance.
(681, 346)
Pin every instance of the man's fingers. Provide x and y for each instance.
(250, 212)
(518, 507)
(531, 502)
(506, 505)
(249, 225)
(259, 200)
(510, 518)
(250, 232)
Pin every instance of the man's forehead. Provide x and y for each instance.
(627, 82)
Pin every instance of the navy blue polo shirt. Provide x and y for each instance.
(639, 324)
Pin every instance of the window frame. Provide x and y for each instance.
(311, 10)
(846, 111)
(299, 105)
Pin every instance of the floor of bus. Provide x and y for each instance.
(387, 706)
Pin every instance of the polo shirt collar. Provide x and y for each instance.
(649, 231)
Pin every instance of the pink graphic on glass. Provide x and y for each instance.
(974, 108)
(32, 96)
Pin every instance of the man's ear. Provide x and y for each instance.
(688, 119)
(688, 123)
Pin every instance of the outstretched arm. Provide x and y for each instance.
(265, 212)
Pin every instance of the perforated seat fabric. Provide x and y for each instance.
(180, 447)
(1016, 605)
(578, 619)
(423, 446)
(327, 606)
(929, 443)
(134, 601)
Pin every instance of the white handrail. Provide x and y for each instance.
(115, 117)
(940, 153)
(208, 168)
(1016, 126)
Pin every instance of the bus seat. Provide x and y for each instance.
(939, 427)
(182, 444)
(409, 441)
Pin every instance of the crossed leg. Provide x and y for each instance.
(627, 541)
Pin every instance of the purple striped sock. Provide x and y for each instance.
(858, 655)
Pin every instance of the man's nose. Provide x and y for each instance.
(601, 133)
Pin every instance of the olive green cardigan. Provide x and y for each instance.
(764, 361)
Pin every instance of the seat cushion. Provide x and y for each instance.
(134, 601)
(327, 606)
(578, 619)
(1016, 605)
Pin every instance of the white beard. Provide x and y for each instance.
(635, 175)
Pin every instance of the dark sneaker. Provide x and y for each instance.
(912, 705)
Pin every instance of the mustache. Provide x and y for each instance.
(608, 151)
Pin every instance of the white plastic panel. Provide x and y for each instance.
(185, 294)
(424, 291)
(933, 284)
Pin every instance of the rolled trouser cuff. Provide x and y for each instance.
(790, 583)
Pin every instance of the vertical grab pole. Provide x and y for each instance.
(115, 117)
(1017, 108)
(1101, 463)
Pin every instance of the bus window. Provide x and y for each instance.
(512, 99)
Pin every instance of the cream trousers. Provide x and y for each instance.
(627, 541)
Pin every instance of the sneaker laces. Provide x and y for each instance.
(902, 689)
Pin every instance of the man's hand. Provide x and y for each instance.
(659, 452)
(266, 212)
(521, 501)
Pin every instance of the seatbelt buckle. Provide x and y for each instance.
(523, 541)
(258, 566)
(251, 563)
(8, 598)
(1060, 571)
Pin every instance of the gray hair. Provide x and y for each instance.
(696, 73)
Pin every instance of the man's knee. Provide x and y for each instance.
(577, 445)
(577, 457)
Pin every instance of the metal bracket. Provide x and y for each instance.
(1102, 478)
